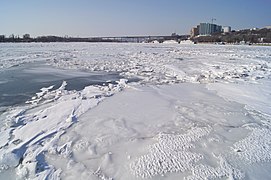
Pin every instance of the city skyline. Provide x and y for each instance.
(88, 18)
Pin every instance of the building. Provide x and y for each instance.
(194, 31)
(254, 29)
(208, 28)
(2, 38)
(26, 36)
(226, 29)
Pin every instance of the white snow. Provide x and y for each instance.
(195, 112)
(170, 42)
(169, 154)
(255, 95)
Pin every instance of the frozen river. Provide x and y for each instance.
(134, 111)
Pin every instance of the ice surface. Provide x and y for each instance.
(177, 135)
(255, 95)
(193, 112)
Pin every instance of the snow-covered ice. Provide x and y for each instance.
(177, 111)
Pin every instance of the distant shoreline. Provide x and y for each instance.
(214, 43)
(136, 39)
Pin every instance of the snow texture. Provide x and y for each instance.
(169, 154)
(256, 147)
(207, 172)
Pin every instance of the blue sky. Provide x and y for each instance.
(88, 18)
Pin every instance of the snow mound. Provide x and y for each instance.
(8, 160)
(170, 42)
(40, 125)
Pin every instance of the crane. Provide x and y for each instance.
(213, 19)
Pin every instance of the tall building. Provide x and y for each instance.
(208, 28)
(194, 31)
(226, 29)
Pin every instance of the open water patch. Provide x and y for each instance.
(20, 83)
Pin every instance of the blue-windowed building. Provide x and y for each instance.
(208, 28)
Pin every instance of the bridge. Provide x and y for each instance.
(139, 39)
(136, 39)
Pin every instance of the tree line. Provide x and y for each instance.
(247, 35)
(28, 38)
